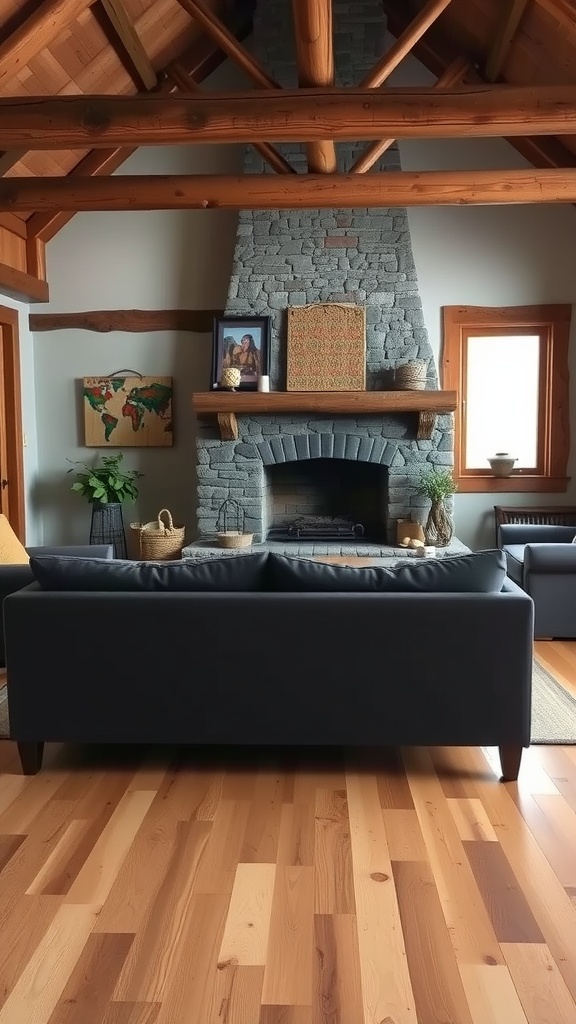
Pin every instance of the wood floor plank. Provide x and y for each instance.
(297, 833)
(96, 878)
(491, 994)
(263, 826)
(218, 865)
(286, 1015)
(504, 900)
(333, 879)
(393, 787)
(192, 992)
(542, 991)
(54, 864)
(245, 941)
(11, 786)
(39, 987)
(470, 927)
(23, 929)
(167, 904)
(471, 820)
(436, 983)
(19, 814)
(563, 823)
(386, 987)
(288, 971)
(89, 988)
(337, 989)
(8, 847)
(131, 1013)
(237, 995)
(404, 835)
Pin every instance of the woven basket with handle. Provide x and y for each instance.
(159, 541)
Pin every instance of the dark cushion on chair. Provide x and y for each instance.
(478, 572)
(515, 558)
(59, 572)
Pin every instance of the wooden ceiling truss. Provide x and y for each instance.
(472, 98)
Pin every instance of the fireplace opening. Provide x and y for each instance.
(327, 499)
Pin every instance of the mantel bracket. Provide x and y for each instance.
(228, 425)
(426, 424)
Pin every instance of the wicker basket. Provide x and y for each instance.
(231, 514)
(411, 376)
(159, 541)
(234, 539)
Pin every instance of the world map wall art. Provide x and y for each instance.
(121, 412)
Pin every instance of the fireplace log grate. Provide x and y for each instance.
(317, 528)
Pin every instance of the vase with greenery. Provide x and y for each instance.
(438, 484)
(107, 486)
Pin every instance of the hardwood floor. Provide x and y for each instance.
(370, 887)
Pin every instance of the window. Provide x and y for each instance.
(509, 367)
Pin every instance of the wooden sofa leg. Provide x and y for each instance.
(510, 757)
(31, 757)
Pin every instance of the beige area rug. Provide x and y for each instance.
(553, 710)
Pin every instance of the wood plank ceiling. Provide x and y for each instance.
(54, 154)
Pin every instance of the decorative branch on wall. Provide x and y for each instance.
(131, 411)
(135, 320)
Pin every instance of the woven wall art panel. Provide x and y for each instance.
(326, 347)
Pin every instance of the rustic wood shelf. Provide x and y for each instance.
(225, 405)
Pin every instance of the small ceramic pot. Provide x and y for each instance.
(502, 464)
(230, 378)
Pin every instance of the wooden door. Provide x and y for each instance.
(11, 442)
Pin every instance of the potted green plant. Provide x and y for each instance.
(438, 484)
(107, 486)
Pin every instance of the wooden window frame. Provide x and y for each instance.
(552, 323)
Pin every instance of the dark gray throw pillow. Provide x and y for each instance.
(480, 572)
(63, 572)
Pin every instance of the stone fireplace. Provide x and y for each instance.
(362, 465)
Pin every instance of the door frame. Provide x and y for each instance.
(12, 406)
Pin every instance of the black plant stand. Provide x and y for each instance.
(107, 527)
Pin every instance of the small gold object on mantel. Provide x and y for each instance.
(326, 347)
(230, 378)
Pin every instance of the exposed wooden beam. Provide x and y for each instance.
(454, 74)
(287, 191)
(9, 159)
(200, 60)
(126, 31)
(14, 224)
(301, 115)
(39, 29)
(227, 41)
(186, 85)
(563, 11)
(22, 285)
(434, 52)
(511, 16)
(315, 58)
(404, 44)
(103, 321)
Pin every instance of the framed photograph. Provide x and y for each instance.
(243, 342)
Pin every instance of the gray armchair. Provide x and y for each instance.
(14, 577)
(542, 560)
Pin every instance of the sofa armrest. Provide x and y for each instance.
(556, 558)
(532, 533)
(77, 550)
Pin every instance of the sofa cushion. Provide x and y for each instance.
(62, 572)
(515, 558)
(477, 572)
(12, 552)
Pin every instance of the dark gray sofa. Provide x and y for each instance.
(542, 560)
(14, 577)
(270, 667)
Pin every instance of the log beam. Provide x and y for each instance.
(511, 17)
(454, 74)
(39, 29)
(404, 44)
(265, 191)
(315, 58)
(103, 321)
(563, 11)
(227, 41)
(300, 115)
(126, 31)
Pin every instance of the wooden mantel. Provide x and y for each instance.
(225, 405)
